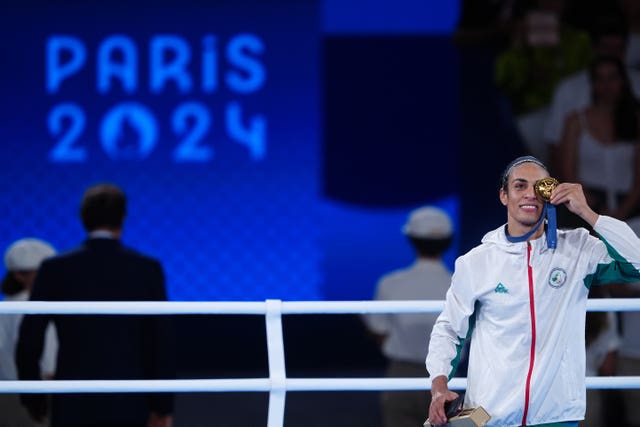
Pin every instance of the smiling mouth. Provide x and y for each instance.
(529, 207)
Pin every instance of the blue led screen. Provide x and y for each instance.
(211, 116)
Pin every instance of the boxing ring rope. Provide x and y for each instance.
(277, 384)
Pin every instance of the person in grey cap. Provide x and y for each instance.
(402, 336)
(22, 260)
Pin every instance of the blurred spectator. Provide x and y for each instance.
(600, 150)
(599, 147)
(404, 338)
(544, 50)
(609, 38)
(95, 347)
(22, 260)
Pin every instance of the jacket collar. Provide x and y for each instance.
(498, 237)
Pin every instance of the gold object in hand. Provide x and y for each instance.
(543, 187)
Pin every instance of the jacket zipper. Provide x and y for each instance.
(532, 310)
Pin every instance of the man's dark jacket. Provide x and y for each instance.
(95, 347)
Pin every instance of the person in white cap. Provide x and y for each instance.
(22, 260)
(402, 336)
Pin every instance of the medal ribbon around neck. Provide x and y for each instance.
(543, 188)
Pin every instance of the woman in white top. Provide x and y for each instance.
(599, 149)
(600, 143)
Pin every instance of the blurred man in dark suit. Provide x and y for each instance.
(101, 346)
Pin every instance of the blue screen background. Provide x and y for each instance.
(230, 219)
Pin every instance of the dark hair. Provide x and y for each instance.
(430, 247)
(11, 285)
(626, 111)
(103, 205)
(504, 178)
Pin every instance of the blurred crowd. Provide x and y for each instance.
(567, 73)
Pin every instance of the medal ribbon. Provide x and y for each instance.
(548, 212)
(552, 225)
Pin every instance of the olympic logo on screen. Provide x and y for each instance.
(129, 130)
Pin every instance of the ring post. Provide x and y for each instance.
(277, 373)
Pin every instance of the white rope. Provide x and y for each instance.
(277, 384)
(260, 308)
(132, 307)
(136, 386)
(264, 385)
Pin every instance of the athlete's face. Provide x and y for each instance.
(523, 207)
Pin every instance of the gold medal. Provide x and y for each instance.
(543, 187)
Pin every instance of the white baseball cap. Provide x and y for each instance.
(27, 254)
(428, 222)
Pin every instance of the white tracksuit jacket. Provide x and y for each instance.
(524, 306)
